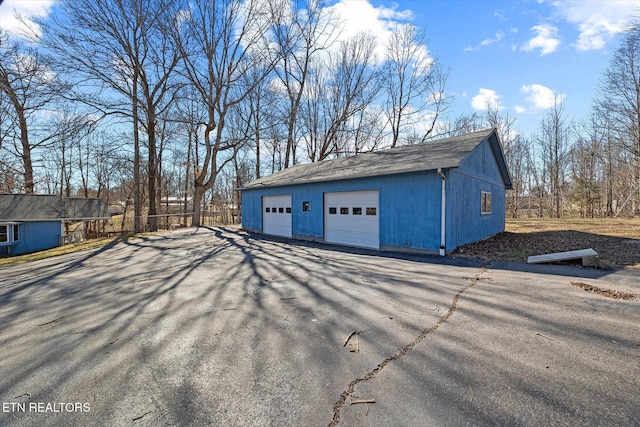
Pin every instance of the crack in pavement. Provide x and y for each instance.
(337, 407)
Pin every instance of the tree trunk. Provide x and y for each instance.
(137, 202)
(29, 185)
(152, 219)
(198, 194)
(186, 178)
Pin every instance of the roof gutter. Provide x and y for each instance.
(443, 217)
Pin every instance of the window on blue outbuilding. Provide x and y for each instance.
(486, 202)
(16, 233)
(4, 234)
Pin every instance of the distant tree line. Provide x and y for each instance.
(581, 168)
(146, 100)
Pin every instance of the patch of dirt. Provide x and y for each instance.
(618, 252)
(609, 293)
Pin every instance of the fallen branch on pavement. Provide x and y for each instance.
(356, 401)
(52, 321)
(349, 337)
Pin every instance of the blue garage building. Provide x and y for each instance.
(35, 222)
(428, 197)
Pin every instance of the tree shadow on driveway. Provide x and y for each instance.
(212, 327)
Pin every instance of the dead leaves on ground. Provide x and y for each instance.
(608, 293)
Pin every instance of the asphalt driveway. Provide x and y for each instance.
(214, 327)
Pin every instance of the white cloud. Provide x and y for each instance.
(520, 109)
(541, 96)
(499, 15)
(597, 20)
(499, 36)
(486, 42)
(361, 16)
(546, 39)
(484, 99)
(11, 9)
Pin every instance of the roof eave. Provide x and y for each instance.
(496, 147)
(252, 186)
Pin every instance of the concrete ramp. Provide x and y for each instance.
(589, 257)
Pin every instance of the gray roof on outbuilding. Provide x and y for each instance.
(34, 207)
(442, 153)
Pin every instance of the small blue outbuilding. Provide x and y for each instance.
(431, 197)
(35, 222)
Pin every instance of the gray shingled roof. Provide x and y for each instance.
(30, 207)
(442, 153)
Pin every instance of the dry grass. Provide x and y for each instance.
(618, 227)
(61, 250)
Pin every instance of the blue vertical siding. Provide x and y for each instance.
(410, 211)
(35, 236)
(478, 172)
(252, 210)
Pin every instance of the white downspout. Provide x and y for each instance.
(443, 218)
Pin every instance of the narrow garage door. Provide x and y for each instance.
(276, 215)
(351, 218)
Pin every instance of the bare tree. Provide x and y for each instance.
(414, 82)
(459, 125)
(10, 173)
(368, 130)
(619, 100)
(70, 149)
(585, 162)
(302, 31)
(221, 42)
(554, 141)
(123, 48)
(516, 148)
(191, 113)
(27, 81)
(346, 87)
(255, 115)
(108, 158)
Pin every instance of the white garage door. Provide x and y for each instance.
(276, 215)
(351, 218)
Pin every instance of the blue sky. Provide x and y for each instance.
(518, 54)
(515, 54)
